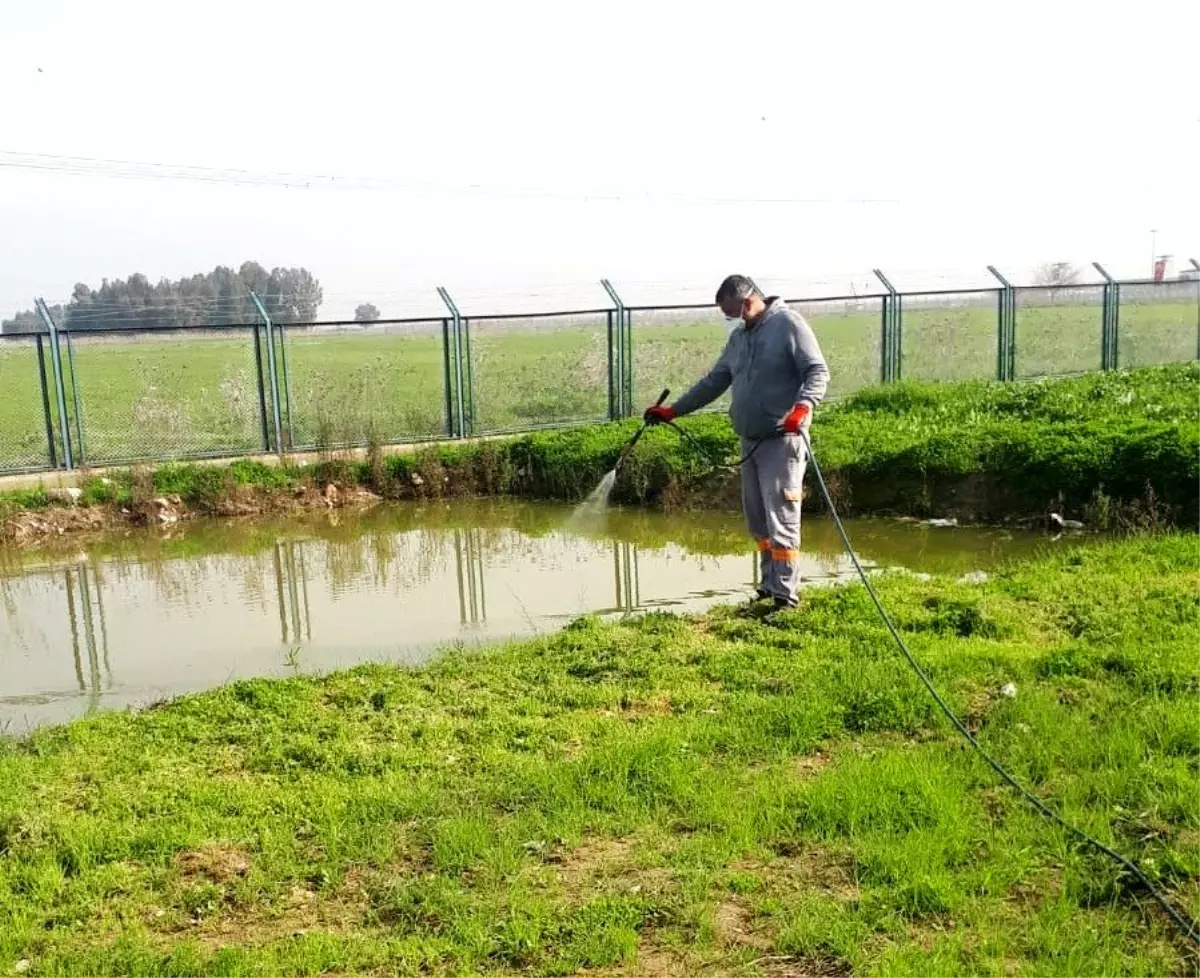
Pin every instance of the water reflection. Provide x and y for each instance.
(84, 608)
(289, 571)
(141, 616)
(472, 602)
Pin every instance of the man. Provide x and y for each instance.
(778, 375)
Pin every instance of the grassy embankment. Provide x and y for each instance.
(1106, 447)
(197, 393)
(659, 796)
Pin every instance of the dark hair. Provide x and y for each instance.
(735, 287)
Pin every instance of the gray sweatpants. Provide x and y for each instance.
(772, 486)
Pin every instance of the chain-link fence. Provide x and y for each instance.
(1059, 330)
(1158, 322)
(188, 393)
(534, 371)
(360, 384)
(72, 397)
(850, 337)
(949, 335)
(26, 414)
(673, 347)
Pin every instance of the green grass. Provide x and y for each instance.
(663, 795)
(161, 397)
(1122, 445)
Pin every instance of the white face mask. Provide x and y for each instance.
(733, 322)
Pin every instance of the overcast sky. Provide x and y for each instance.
(526, 149)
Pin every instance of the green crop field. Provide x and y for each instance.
(165, 396)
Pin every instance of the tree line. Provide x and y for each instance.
(220, 297)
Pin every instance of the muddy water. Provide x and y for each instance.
(132, 618)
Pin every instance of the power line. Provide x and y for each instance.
(130, 169)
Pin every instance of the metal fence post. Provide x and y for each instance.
(288, 429)
(1108, 335)
(628, 345)
(469, 373)
(447, 386)
(41, 357)
(60, 396)
(271, 372)
(262, 391)
(1006, 336)
(463, 427)
(1196, 266)
(612, 386)
(622, 353)
(80, 452)
(889, 352)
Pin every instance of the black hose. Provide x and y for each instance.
(1189, 929)
(688, 437)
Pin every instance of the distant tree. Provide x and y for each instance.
(29, 321)
(1057, 273)
(218, 298)
(366, 313)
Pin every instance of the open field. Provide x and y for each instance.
(656, 797)
(166, 396)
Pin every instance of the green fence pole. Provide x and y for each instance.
(1108, 336)
(1011, 361)
(80, 452)
(447, 383)
(41, 357)
(619, 354)
(469, 372)
(463, 426)
(288, 429)
(629, 362)
(1196, 266)
(885, 333)
(271, 371)
(60, 396)
(1006, 338)
(890, 352)
(262, 391)
(612, 390)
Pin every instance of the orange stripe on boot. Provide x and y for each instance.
(784, 556)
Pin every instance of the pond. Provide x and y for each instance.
(138, 616)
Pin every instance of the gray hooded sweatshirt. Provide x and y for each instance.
(771, 366)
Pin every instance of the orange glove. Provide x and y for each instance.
(659, 414)
(795, 419)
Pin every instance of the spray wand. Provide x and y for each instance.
(641, 431)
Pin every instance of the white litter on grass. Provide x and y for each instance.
(975, 577)
(1058, 523)
(1008, 691)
